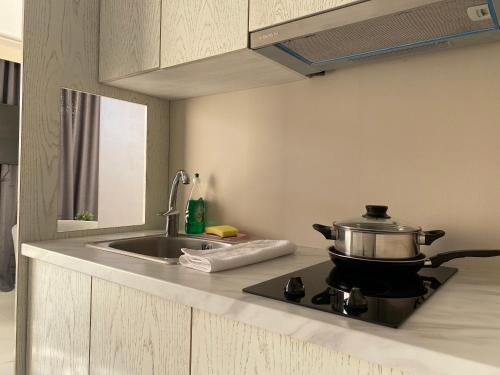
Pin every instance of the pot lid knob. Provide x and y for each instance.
(376, 212)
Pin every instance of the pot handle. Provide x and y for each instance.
(437, 260)
(325, 230)
(429, 236)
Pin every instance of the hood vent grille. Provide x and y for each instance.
(423, 25)
(403, 52)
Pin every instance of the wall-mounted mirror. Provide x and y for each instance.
(102, 170)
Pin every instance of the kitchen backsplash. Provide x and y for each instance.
(420, 134)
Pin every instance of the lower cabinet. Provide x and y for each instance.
(80, 325)
(135, 333)
(58, 321)
(221, 346)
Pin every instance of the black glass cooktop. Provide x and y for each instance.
(377, 298)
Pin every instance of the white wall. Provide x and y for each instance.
(122, 163)
(11, 19)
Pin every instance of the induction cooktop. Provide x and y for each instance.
(384, 299)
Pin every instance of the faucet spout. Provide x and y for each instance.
(172, 216)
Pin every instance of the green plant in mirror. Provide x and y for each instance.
(84, 216)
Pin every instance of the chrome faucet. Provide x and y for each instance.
(172, 214)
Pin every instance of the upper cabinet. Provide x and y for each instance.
(265, 13)
(129, 37)
(180, 49)
(196, 29)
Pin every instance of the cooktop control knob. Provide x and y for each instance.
(356, 303)
(294, 288)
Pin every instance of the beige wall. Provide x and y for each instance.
(11, 30)
(420, 134)
(11, 19)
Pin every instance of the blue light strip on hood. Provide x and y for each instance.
(493, 13)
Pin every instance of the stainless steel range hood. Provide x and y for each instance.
(9, 133)
(366, 29)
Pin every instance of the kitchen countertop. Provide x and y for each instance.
(457, 331)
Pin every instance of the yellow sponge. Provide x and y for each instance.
(222, 231)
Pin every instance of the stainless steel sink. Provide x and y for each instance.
(158, 248)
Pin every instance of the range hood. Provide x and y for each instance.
(9, 133)
(366, 29)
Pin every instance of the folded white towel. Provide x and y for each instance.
(235, 256)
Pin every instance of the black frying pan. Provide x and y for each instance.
(403, 265)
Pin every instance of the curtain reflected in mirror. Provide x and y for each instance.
(102, 169)
(79, 152)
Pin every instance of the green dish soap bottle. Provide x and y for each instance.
(195, 209)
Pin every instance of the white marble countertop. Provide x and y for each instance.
(457, 331)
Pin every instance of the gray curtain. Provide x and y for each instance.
(10, 82)
(79, 154)
(10, 73)
(8, 213)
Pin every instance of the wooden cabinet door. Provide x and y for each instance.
(58, 321)
(265, 13)
(196, 29)
(129, 38)
(221, 346)
(134, 333)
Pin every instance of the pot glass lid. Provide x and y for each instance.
(376, 220)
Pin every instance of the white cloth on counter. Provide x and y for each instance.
(234, 256)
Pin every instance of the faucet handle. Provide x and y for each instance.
(169, 213)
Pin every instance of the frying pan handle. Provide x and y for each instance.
(325, 230)
(439, 259)
(429, 236)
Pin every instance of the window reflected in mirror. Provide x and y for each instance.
(102, 169)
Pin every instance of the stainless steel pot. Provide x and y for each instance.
(376, 236)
